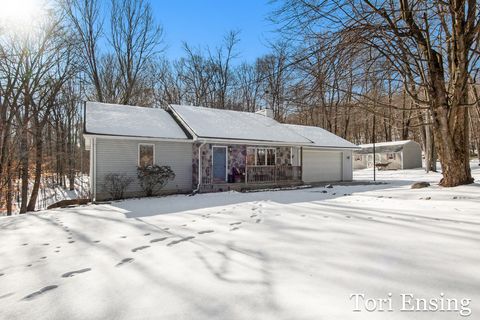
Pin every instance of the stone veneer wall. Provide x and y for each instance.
(283, 155)
(237, 155)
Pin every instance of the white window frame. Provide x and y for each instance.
(266, 148)
(138, 152)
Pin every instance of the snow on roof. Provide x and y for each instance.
(227, 124)
(321, 137)
(391, 146)
(386, 144)
(122, 120)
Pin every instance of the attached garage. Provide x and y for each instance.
(319, 165)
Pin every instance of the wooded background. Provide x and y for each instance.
(406, 68)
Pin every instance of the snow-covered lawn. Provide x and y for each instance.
(295, 254)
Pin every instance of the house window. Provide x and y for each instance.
(391, 156)
(261, 156)
(146, 155)
(271, 157)
(358, 158)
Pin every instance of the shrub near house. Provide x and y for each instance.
(153, 178)
(116, 184)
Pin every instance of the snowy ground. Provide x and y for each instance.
(269, 255)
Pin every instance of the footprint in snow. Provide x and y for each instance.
(235, 223)
(253, 216)
(233, 229)
(73, 273)
(96, 241)
(43, 258)
(166, 229)
(24, 244)
(7, 295)
(123, 237)
(69, 238)
(348, 217)
(179, 241)
(57, 251)
(39, 292)
(183, 225)
(1, 274)
(258, 220)
(158, 239)
(71, 241)
(140, 248)
(46, 244)
(147, 234)
(124, 261)
(205, 231)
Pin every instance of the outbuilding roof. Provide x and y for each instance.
(122, 120)
(390, 146)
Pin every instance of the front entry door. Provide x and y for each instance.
(219, 164)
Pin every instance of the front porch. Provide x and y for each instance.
(242, 167)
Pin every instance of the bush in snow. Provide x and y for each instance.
(154, 178)
(116, 184)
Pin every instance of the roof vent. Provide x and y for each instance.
(266, 112)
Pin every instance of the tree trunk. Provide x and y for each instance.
(24, 159)
(38, 173)
(9, 195)
(452, 146)
(70, 155)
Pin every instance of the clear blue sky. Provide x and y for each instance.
(205, 22)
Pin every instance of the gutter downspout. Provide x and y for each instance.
(199, 168)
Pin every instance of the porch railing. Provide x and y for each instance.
(266, 174)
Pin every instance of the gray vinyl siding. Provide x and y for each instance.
(121, 156)
(412, 155)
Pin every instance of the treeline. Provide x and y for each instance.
(367, 72)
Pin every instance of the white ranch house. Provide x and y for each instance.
(393, 155)
(210, 149)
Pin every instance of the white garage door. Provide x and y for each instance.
(321, 166)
